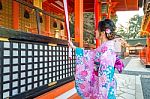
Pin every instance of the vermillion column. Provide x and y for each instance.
(109, 12)
(148, 50)
(109, 9)
(100, 10)
(97, 14)
(15, 15)
(79, 22)
(47, 25)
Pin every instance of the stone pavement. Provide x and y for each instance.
(139, 76)
(129, 82)
(135, 65)
(128, 85)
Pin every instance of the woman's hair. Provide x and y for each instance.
(108, 27)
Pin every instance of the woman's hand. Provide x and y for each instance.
(71, 44)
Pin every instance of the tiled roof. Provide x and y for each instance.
(134, 42)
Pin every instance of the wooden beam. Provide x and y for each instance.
(53, 7)
(56, 92)
(125, 1)
(109, 9)
(40, 10)
(51, 1)
(38, 21)
(47, 24)
(75, 96)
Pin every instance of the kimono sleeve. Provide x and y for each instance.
(84, 56)
(79, 52)
(110, 58)
(119, 64)
(83, 71)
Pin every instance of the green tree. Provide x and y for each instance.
(133, 28)
(114, 18)
(123, 32)
(88, 27)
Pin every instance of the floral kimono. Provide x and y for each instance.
(94, 74)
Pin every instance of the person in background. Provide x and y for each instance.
(94, 71)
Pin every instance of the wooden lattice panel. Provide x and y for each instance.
(26, 66)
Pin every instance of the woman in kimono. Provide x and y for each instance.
(94, 73)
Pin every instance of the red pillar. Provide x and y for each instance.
(79, 22)
(15, 15)
(148, 50)
(97, 12)
(109, 13)
(109, 9)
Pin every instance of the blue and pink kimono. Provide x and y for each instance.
(94, 74)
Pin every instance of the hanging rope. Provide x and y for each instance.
(67, 25)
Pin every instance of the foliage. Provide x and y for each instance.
(123, 32)
(88, 26)
(114, 18)
(133, 28)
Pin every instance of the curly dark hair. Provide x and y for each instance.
(108, 27)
